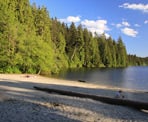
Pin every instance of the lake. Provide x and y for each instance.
(131, 77)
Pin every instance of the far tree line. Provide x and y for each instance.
(32, 42)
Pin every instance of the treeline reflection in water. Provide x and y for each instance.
(130, 77)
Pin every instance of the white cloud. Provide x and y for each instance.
(95, 26)
(98, 26)
(136, 25)
(107, 35)
(123, 24)
(118, 25)
(70, 19)
(140, 6)
(146, 22)
(73, 19)
(129, 32)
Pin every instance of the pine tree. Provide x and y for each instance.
(45, 46)
(121, 54)
(80, 46)
(72, 46)
(86, 47)
(96, 61)
(58, 38)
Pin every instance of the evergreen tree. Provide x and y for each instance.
(86, 37)
(73, 44)
(105, 51)
(58, 37)
(121, 54)
(80, 52)
(46, 55)
(112, 51)
(96, 61)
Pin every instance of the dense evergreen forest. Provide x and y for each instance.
(32, 42)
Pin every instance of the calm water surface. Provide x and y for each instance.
(131, 77)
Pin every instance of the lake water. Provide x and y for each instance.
(130, 77)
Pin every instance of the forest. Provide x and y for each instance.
(33, 42)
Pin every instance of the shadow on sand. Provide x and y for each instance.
(28, 94)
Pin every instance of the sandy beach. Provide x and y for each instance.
(20, 102)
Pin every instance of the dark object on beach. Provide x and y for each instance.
(27, 76)
(82, 81)
(55, 104)
(109, 100)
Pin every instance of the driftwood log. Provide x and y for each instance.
(109, 100)
(82, 81)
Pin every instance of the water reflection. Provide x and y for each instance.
(136, 78)
(131, 77)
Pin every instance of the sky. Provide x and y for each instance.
(127, 19)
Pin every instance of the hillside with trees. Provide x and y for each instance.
(32, 42)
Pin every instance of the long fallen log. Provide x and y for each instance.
(109, 100)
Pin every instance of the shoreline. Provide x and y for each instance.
(58, 81)
(46, 82)
(34, 78)
(17, 89)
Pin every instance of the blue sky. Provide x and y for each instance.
(125, 18)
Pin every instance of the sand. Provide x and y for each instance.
(20, 102)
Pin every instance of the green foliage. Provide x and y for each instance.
(121, 55)
(133, 60)
(32, 42)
